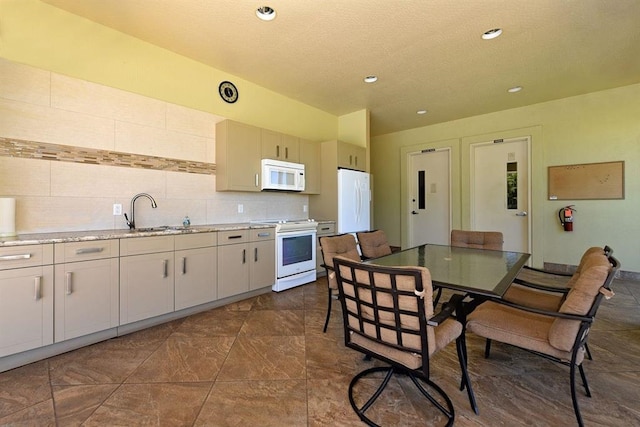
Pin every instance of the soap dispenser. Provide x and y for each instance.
(186, 221)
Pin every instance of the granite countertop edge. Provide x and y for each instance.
(89, 235)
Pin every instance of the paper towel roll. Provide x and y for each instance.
(7, 216)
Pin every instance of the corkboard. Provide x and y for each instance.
(597, 181)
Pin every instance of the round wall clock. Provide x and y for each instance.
(228, 92)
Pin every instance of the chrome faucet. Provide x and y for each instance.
(132, 223)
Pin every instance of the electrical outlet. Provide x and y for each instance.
(240, 208)
(117, 209)
(305, 208)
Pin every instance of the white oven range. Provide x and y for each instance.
(295, 252)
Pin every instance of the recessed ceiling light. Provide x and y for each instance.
(491, 34)
(370, 79)
(514, 89)
(421, 112)
(266, 13)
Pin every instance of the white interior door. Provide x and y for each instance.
(500, 190)
(429, 197)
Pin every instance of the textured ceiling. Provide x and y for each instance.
(428, 54)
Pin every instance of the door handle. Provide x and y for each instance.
(414, 213)
(523, 213)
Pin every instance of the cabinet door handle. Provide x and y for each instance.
(255, 254)
(184, 265)
(14, 257)
(165, 268)
(244, 256)
(356, 157)
(265, 234)
(350, 159)
(88, 251)
(277, 151)
(286, 152)
(68, 283)
(37, 288)
(257, 182)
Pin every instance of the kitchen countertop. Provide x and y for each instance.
(81, 236)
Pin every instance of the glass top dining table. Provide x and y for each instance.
(480, 272)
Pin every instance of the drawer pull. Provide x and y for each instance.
(165, 268)
(265, 234)
(83, 251)
(68, 283)
(184, 265)
(325, 228)
(14, 257)
(36, 288)
(237, 236)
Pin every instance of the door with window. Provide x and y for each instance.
(429, 203)
(500, 190)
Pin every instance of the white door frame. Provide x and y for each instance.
(472, 147)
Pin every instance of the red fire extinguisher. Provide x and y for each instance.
(566, 217)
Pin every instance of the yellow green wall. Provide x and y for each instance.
(597, 127)
(354, 128)
(46, 37)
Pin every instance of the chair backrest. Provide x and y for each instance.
(592, 251)
(477, 239)
(341, 245)
(373, 244)
(385, 311)
(588, 287)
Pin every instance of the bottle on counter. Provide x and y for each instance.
(186, 221)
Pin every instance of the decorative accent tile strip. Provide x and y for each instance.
(10, 147)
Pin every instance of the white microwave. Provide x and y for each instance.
(282, 176)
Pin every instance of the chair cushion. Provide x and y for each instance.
(374, 244)
(528, 297)
(477, 239)
(585, 287)
(444, 333)
(343, 245)
(516, 327)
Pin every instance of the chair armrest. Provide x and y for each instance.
(328, 267)
(541, 270)
(447, 310)
(540, 287)
(554, 314)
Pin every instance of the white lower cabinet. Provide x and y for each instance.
(324, 229)
(233, 262)
(196, 275)
(51, 293)
(262, 262)
(246, 260)
(86, 288)
(146, 277)
(26, 298)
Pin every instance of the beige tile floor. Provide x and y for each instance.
(265, 362)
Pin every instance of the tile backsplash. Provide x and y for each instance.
(70, 149)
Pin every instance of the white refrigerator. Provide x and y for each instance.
(354, 201)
